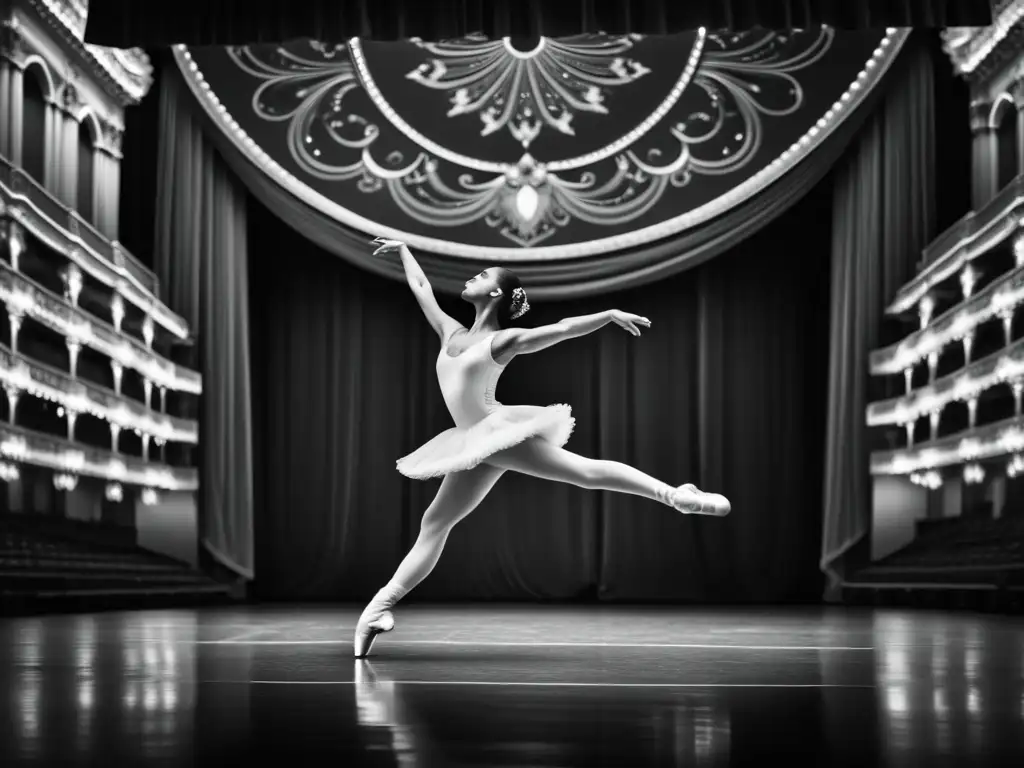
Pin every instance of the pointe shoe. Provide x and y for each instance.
(690, 500)
(367, 630)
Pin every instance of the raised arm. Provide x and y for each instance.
(442, 323)
(522, 341)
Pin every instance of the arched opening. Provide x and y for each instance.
(85, 203)
(33, 125)
(1006, 140)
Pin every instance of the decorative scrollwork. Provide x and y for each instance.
(526, 91)
(12, 43)
(743, 77)
(335, 116)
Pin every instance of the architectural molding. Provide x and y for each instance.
(496, 190)
(127, 75)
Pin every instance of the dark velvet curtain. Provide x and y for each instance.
(128, 23)
(884, 214)
(726, 390)
(201, 259)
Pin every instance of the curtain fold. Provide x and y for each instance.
(129, 23)
(201, 259)
(570, 278)
(726, 390)
(883, 216)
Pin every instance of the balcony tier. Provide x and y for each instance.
(28, 447)
(79, 396)
(1003, 295)
(972, 236)
(22, 294)
(1002, 367)
(1001, 438)
(63, 230)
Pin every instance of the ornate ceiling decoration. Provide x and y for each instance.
(579, 146)
(977, 51)
(129, 73)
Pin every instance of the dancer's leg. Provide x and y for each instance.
(539, 458)
(460, 494)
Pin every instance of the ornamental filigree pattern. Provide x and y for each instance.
(526, 144)
(526, 91)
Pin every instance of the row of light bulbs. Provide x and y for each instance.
(24, 447)
(17, 378)
(1005, 367)
(988, 442)
(70, 245)
(23, 296)
(67, 482)
(998, 300)
(973, 474)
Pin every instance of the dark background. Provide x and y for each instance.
(727, 390)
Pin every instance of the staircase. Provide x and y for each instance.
(48, 564)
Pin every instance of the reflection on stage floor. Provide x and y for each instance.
(515, 686)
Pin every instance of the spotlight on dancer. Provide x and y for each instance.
(489, 438)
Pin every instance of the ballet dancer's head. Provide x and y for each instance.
(500, 289)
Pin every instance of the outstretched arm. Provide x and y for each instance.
(522, 341)
(442, 323)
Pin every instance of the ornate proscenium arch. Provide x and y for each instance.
(577, 152)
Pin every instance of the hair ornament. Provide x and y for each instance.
(520, 304)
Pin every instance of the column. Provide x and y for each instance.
(51, 159)
(1017, 91)
(56, 149)
(983, 156)
(12, 49)
(113, 215)
(5, 107)
(16, 121)
(99, 189)
(69, 157)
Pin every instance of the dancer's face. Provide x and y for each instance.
(480, 287)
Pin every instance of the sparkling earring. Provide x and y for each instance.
(496, 293)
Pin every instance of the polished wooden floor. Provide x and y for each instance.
(514, 686)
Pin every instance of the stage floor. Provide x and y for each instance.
(514, 686)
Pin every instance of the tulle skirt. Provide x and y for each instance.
(461, 448)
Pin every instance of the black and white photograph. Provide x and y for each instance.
(506, 384)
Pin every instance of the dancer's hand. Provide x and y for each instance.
(386, 246)
(629, 321)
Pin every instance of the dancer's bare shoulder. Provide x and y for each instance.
(504, 345)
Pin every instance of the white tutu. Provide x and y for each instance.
(461, 448)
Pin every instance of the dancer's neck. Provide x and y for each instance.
(486, 321)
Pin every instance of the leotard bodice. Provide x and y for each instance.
(468, 381)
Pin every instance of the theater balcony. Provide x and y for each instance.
(947, 419)
(98, 423)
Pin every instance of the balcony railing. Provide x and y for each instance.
(1003, 295)
(78, 396)
(1003, 367)
(63, 230)
(28, 447)
(21, 293)
(973, 235)
(989, 441)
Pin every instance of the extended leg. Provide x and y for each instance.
(460, 494)
(539, 458)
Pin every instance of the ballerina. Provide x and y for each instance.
(489, 438)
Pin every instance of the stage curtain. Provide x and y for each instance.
(129, 23)
(563, 278)
(883, 216)
(726, 390)
(200, 257)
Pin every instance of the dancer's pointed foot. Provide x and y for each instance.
(370, 625)
(690, 500)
